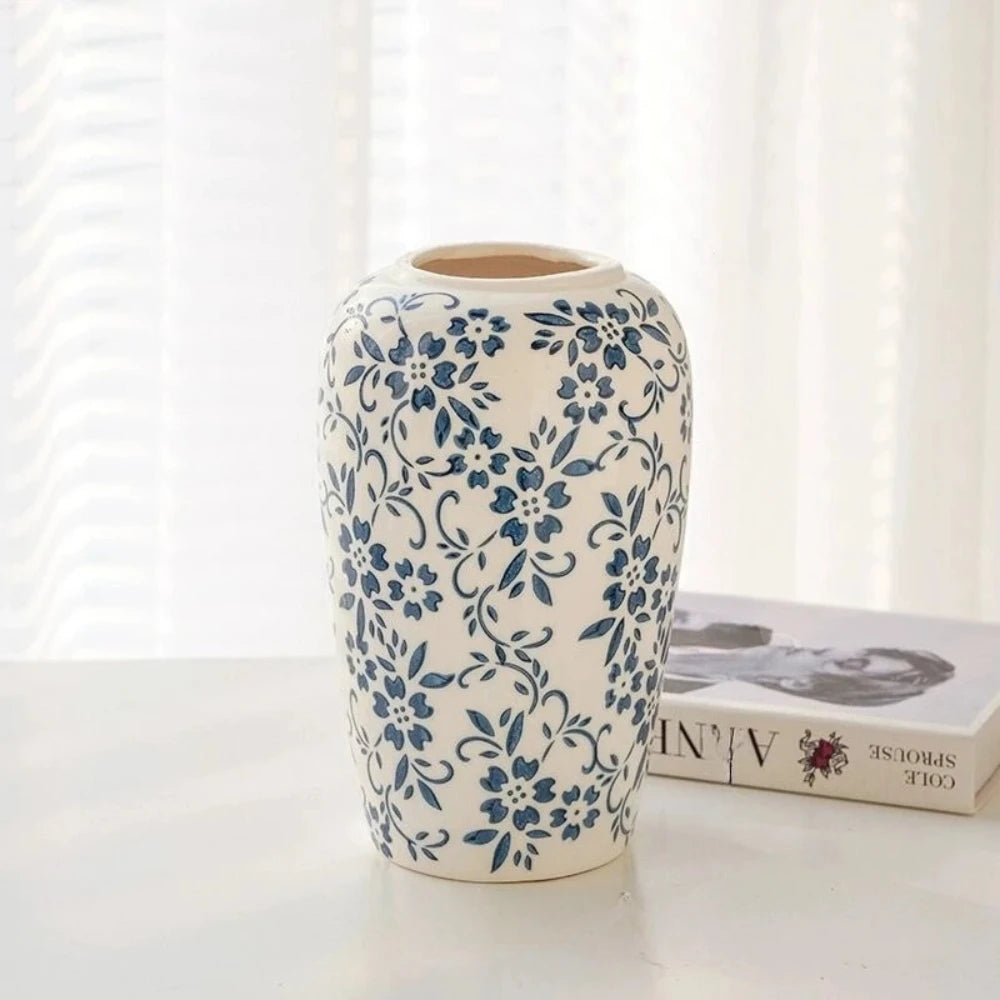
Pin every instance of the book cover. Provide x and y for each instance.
(830, 701)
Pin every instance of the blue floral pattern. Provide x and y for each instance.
(586, 393)
(479, 457)
(529, 504)
(478, 330)
(413, 588)
(441, 507)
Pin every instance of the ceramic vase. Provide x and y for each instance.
(505, 446)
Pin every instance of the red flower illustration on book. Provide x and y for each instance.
(822, 756)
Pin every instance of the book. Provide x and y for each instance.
(829, 701)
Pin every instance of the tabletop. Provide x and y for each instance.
(192, 829)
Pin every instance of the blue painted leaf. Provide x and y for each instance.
(640, 502)
(523, 454)
(563, 306)
(513, 570)
(463, 412)
(549, 319)
(372, 348)
(612, 503)
(500, 854)
(541, 589)
(480, 722)
(564, 446)
(572, 352)
(434, 680)
(652, 308)
(598, 628)
(350, 490)
(578, 467)
(402, 768)
(354, 374)
(514, 733)
(521, 688)
(616, 638)
(428, 793)
(504, 716)
(417, 660)
(655, 333)
(517, 589)
(480, 836)
(442, 426)
(468, 371)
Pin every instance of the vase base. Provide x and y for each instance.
(540, 874)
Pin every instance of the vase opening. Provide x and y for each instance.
(500, 261)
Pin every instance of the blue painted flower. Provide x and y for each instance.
(414, 588)
(686, 413)
(586, 393)
(479, 328)
(634, 573)
(402, 714)
(479, 456)
(608, 331)
(642, 716)
(379, 827)
(529, 505)
(577, 810)
(361, 560)
(420, 371)
(516, 794)
(363, 673)
(624, 681)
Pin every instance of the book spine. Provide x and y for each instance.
(871, 761)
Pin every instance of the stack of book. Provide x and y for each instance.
(852, 704)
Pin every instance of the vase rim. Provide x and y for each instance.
(513, 264)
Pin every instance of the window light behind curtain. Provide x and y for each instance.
(186, 186)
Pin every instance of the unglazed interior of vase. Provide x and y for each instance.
(498, 265)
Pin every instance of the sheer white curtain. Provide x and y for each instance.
(187, 185)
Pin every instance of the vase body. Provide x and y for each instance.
(504, 480)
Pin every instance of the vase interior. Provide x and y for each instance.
(501, 262)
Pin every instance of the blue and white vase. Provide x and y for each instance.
(505, 448)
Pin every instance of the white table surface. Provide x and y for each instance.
(193, 830)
